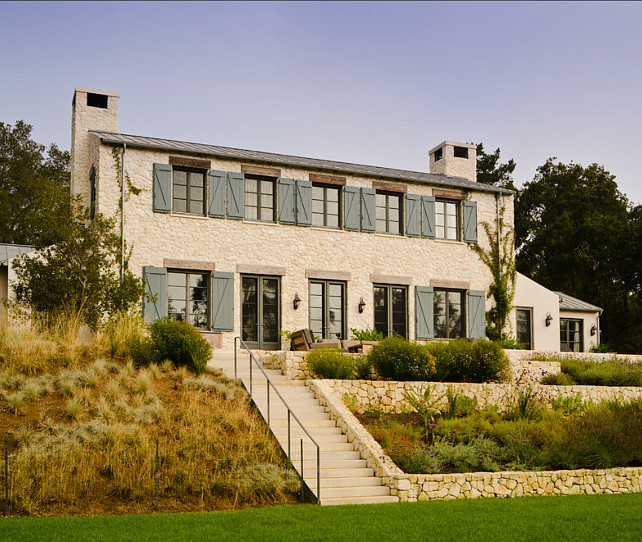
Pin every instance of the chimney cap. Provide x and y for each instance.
(452, 144)
(94, 91)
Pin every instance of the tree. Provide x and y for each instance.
(80, 273)
(576, 232)
(35, 205)
(490, 171)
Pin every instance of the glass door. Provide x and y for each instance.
(391, 310)
(327, 302)
(261, 312)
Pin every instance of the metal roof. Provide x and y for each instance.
(570, 303)
(8, 251)
(295, 161)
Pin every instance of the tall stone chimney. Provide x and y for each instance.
(455, 160)
(90, 110)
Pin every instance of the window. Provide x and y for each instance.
(187, 297)
(259, 198)
(327, 302)
(447, 220)
(326, 207)
(439, 154)
(188, 195)
(448, 314)
(390, 310)
(524, 327)
(571, 335)
(97, 100)
(388, 213)
(460, 152)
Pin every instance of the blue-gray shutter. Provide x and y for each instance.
(368, 208)
(304, 203)
(155, 298)
(477, 313)
(424, 313)
(352, 213)
(470, 221)
(162, 188)
(222, 301)
(413, 226)
(217, 193)
(428, 217)
(235, 195)
(286, 201)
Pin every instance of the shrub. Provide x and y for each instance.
(510, 343)
(612, 372)
(329, 362)
(367, 334)
(362, 367)
(399, 359)
(459, 405)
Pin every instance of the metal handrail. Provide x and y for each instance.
(291, 413)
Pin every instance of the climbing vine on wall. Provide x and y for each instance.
(130, 188)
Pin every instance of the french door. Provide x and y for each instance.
(261, 312)
(391, 310)
(327, 302)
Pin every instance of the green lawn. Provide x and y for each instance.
(581, 517)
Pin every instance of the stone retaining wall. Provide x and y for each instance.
(414, 487)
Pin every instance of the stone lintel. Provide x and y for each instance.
(453, 284)
(254, 269)
(391, 279)
(189, 264)
(261, 170)
(327, 179)
(327, 275)
(390, 187)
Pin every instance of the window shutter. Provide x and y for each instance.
(286, 201)
(352, 212)
(413, 226)
(470, 221)
(235, 195)
(428, 217)
(304, 203)
(424, 313)
(368, 202)
(162, 188)
(155, 298)
(217, 193)
(222, 301)
(477, 313)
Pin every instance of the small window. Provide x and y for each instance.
(187, 297)
(461, 152)
(388, 213)
(326, 206)
(447, 221)
(259, 198)
(188, 191)
(448, 314)
(97, 100)
(439, 153)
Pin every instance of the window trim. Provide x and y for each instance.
(325, 306)
(580, 343)
(458, 207)
(399, 197)
(189, 170)
(260, 179)
(464, 313)
(528, 310)
(389, 288)
(208, 292)
(326, 187)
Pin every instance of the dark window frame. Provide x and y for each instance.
(390, 323)
(325, 213)
(387, 221)
(188, 189)
(458, 227)
(529, 311)
(460, 152)
(462, 318)
(325, 308)
(261, 180)
(188, 314)
(439, 154)
(564, 334)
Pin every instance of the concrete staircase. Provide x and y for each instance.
(344, 477)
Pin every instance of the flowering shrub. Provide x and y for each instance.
(330, 362)
(400, 359)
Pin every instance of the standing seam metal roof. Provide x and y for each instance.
(9, 250)
(297, 161)
(571, 303)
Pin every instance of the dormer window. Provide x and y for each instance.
(461, 152)
(439, 154)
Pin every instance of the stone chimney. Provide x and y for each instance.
(455, 160)
(90, 110)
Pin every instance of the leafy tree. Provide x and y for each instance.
(35, 205)
(80, 273)
(490, 171)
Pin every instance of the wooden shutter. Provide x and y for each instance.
(413, 225)
(286, 201)
(368, 203)
(424, 313)
(155, 298)
(477, 313)
(304, 203)
(217, 193)
(162, 188)
(352, 213)
(235, 195)
(222, 301)
(428, 217)
(470, 221)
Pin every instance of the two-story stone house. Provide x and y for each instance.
(251, 243)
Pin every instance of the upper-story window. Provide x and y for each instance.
(259, 198)
(388, 212)
(447, 222)
(188, 194)
(326, 206)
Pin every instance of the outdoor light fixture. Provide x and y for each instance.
(297, 301)
(593, 330)
(549, 319)
(362, 304)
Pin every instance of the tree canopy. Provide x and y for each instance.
(491, 171)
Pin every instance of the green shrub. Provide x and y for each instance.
(362, 367)
(367, 334)
(559, 379)
(330, 362)
(612, 372)
(400, 359)
(510, 343)
(459, 405)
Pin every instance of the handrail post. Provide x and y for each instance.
(318, 475)
(250, 358)
(302, 482)
(268, 402)
(235, 349)
(289, 452)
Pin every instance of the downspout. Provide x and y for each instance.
(122, 212)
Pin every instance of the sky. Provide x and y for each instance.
(377, 83)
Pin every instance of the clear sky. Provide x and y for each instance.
(367, 82)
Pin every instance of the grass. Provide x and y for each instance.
(577, 517)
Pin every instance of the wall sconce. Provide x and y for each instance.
(362, 305)
(297, 301)
(549, 319)
(593, 330)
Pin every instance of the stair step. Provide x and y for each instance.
(374, 491)
(354, 481)
(358, 500)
